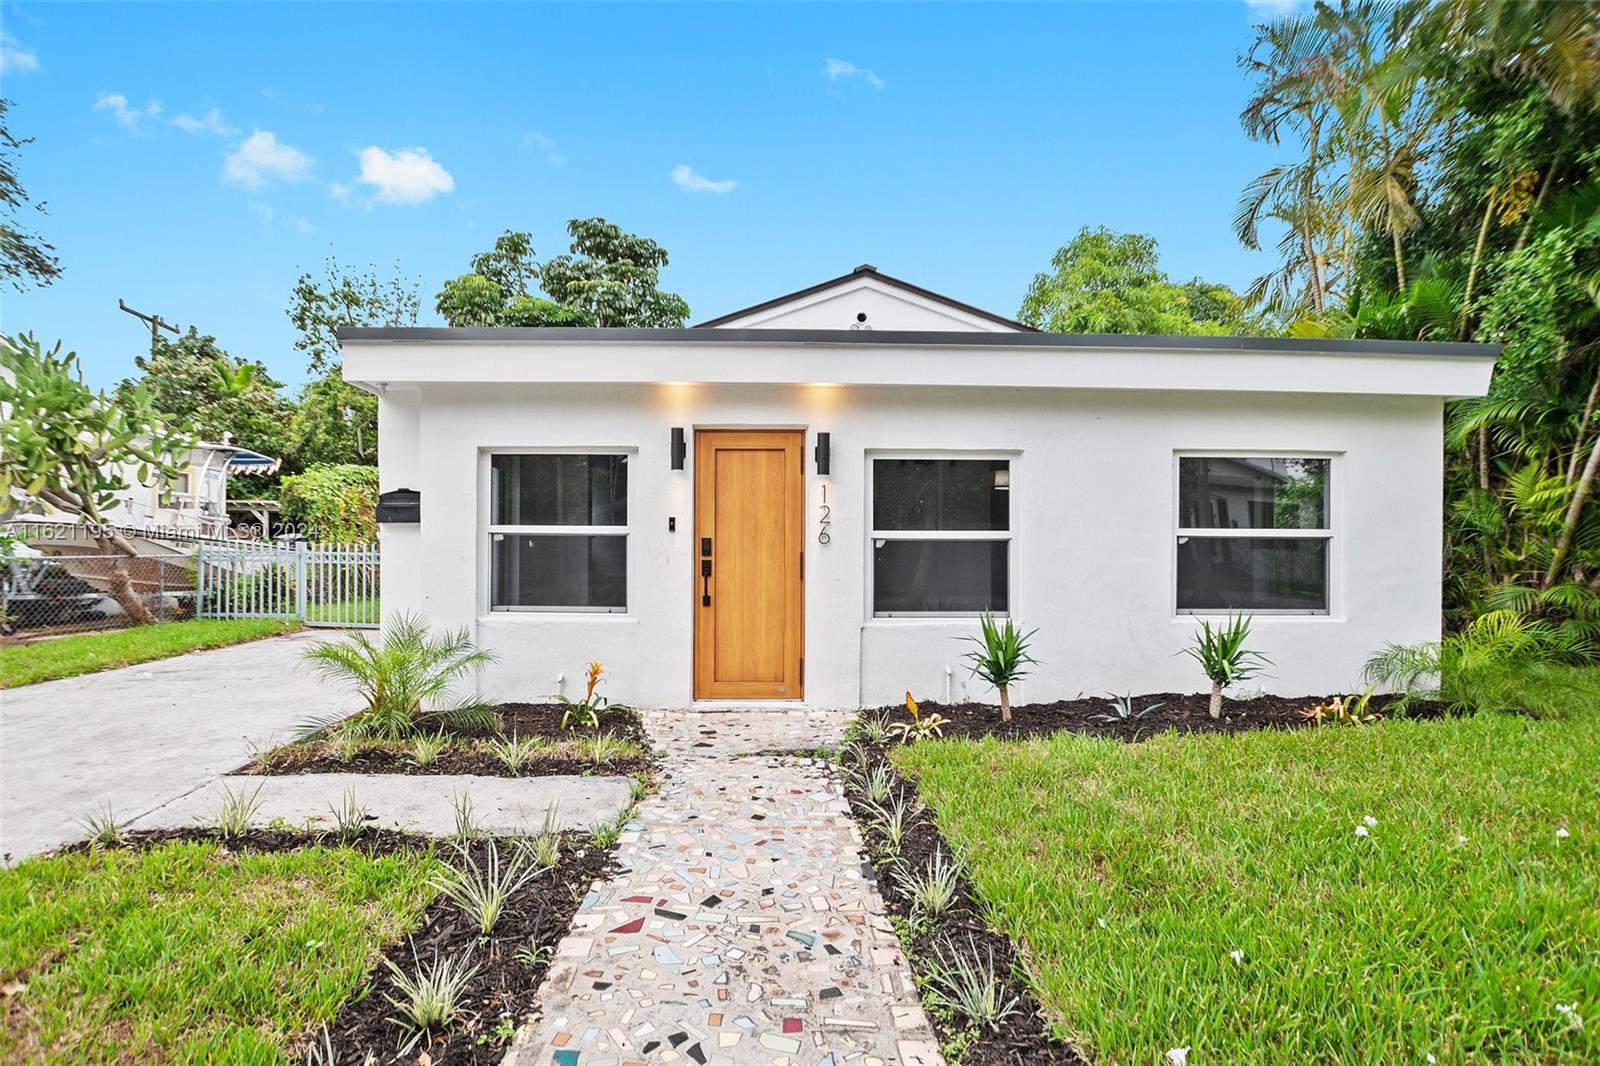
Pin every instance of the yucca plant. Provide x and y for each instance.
(235, 811)
(1001, 658)
(968, 985)
(401, 676)
(1221, 653)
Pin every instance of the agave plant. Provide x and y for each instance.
(402, 677)
(1001, 658)
(1221, 653)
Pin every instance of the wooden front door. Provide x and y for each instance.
(749, 528)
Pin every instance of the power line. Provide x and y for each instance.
(156, 323)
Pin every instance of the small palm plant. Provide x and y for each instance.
(401, 677)
(1001, 658)
(1221, 653)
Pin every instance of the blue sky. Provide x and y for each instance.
(197, 158)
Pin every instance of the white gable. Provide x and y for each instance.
(886, 305)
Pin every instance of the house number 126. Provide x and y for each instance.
(825, 519)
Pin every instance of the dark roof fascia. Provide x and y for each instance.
(869, 272)
(915, 339)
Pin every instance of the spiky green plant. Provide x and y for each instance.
(1221, 653)
(235, 811)
(515, 753)
(931, 890)
(966, 983)
(1001, 657)
(350, 816)
(427, 747)
(402, 676)
(430, 997)
(102, 827)
(481, 890)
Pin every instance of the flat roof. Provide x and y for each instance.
(911, 338)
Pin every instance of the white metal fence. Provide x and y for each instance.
(319, 584)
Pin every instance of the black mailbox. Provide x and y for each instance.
(400, 505)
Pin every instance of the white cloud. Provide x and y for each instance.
(210, 122)
(684, 177)
(303, 226)
(339, 191)
(844, 70)
(128, 116)
(406, 176)
(261, 158)
(14, 56)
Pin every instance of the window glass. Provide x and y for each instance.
(560, 570)
(558, 490)
(941, 494)
(1252, 574)
(1251, 492)
(939, 576)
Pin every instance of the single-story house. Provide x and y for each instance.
(812, 499)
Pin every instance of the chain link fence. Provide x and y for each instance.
(318, 585)
(55, 595)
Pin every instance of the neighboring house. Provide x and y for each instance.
(157, 517)
(812, 499)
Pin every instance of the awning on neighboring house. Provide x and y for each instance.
(245, 461)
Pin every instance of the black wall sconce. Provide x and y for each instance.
(680, 449)
(824, 453)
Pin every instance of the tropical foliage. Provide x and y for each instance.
(1441, 181)
(404, 678)
(1001, 657)
(1105, 282)
(333, 503)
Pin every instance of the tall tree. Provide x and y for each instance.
(613, 277)
(1105, 282)
(73, 448)
(334, 422)
(25, 257)
(195, 383)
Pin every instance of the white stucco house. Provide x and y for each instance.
(810, 500)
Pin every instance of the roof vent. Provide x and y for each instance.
(865, 268)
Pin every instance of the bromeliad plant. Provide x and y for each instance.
(1001, 658)
(919, 726)
(402, 676)
(1343, 710)
(587, 711)
(1221, 653)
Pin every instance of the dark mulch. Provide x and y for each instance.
(536, 916)
(1178, 713)
(504, 986)
(539, 720)
(1024, 1038)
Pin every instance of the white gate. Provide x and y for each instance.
(318, 584)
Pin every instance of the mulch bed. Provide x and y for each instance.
(1022, 1039)
(1178, 713)
(538, 720)
(536, 917)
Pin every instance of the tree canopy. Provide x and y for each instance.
(25, 257)
(609, 278)
(1105, 282)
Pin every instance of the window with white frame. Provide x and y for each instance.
(1254, 534)
(558, 532)
(941, 535)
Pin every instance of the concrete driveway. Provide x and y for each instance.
(145, 735)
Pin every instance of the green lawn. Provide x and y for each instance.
(1454, 928)
(187, 954)
(25, 664)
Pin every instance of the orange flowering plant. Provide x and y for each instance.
(587, 711)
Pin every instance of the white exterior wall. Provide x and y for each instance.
(1092, 512)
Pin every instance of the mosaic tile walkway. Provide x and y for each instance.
(743, 929)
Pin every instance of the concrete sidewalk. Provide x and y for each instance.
(143, 736)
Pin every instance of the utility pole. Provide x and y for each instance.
(156, 323)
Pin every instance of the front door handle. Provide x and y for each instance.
(705, 582)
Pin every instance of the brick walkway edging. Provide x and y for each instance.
(744, 927)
